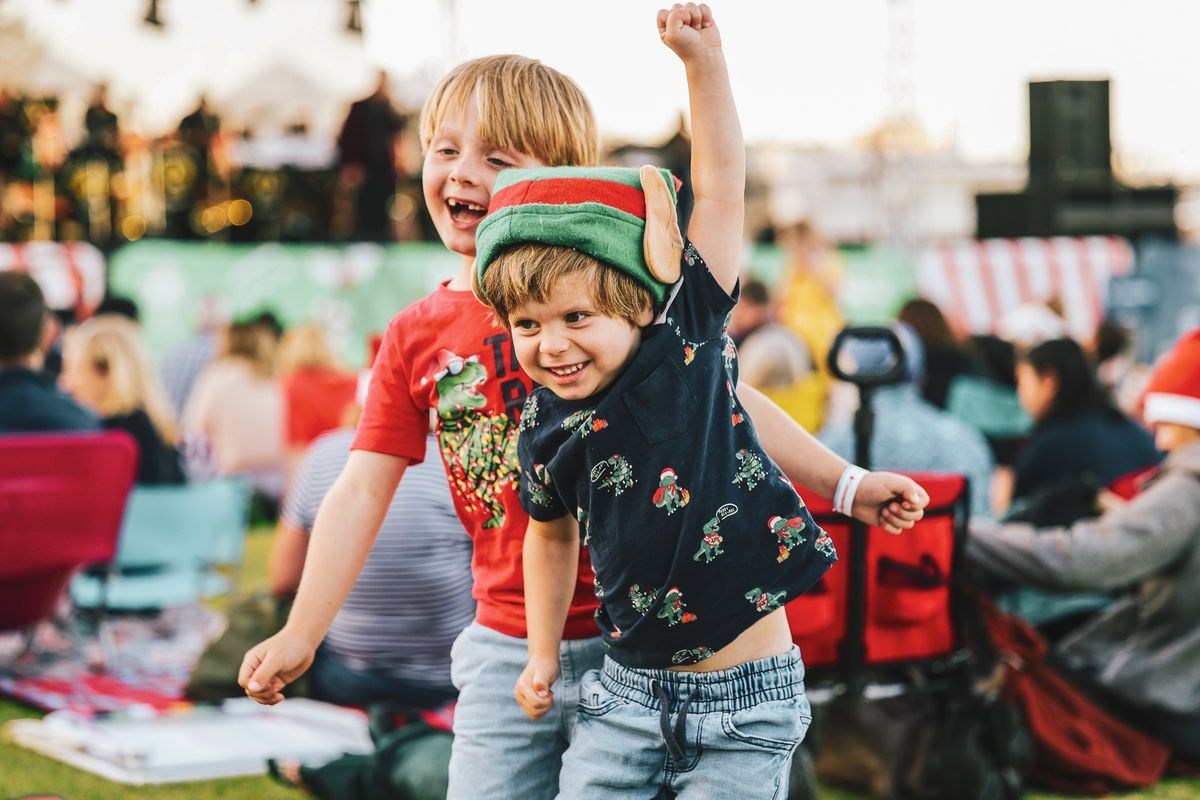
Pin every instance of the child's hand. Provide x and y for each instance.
(272, 664)
(688, 30)
(893, 502)
(533, 687)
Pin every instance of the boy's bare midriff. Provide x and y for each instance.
(770, 636)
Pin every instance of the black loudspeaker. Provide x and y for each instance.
(1072, 190)
(1069, 139)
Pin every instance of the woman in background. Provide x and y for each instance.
(235, 412)
(945, 356)
(1077, 433)
(317, 391)
(107, 369)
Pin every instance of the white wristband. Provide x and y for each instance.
(847, 487)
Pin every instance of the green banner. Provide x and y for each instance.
(352, 290)
(876, 281)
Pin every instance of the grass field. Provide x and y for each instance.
(24, 772)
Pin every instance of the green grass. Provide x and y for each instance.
(25, 772)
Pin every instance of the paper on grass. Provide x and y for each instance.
(204, 743)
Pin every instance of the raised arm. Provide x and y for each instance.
(718, 152)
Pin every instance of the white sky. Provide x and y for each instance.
(803, 71)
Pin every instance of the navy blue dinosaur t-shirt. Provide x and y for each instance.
(694, 532)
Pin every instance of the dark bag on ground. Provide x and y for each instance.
(945, 743)
(1059, 504)
(1077, 745)
(250, 620)
(411, 762)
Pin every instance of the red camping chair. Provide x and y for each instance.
(910, 600)
(61, 501)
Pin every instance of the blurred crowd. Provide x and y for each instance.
(239, 397)
(1015, 410)
(204, 180)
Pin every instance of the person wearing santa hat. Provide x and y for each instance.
(1139, 657)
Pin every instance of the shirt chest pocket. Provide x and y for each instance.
(662, 404)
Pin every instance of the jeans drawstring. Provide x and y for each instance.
(675, 740)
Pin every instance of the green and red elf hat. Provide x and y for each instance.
(601, 211)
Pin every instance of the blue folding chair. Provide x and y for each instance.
(174, 543)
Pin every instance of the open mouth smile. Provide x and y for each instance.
(563, 372)
(464, 212)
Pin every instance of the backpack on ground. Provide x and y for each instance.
(1077, 745)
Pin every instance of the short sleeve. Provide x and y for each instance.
(699, 308)
(392, 423)
(539, 497)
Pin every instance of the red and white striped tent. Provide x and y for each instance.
(70, 274)
(978, 282)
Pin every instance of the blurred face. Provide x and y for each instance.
(747, 317)
(1035, 391)
(80, 377)
(458, 176)
(1168, 436)
(569, 347)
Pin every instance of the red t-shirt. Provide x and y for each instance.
(315, 400)
(445, 353)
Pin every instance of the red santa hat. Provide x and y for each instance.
(1173, 391)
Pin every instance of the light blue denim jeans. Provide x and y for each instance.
(719, 735)
(499, 752)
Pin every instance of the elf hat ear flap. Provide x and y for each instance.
(662, 244)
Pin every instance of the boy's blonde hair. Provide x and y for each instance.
(523, 105)
(528, 272)
(112, 346)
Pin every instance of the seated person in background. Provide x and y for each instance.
(1140, 657)
(1118, 371)
(1077, 433)
(390, 642)
(808, 288)
(988, 402)
(107, 369)
(914, 435)
(118, 306)
(235, 411)
(317, 391)
(29, 401)
(945, 356)
(184, 362)
(773, 360)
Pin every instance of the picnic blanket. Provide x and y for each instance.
(237, 737)
(127, 661)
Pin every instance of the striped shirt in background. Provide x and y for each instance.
(182, 365)
(413, 596)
